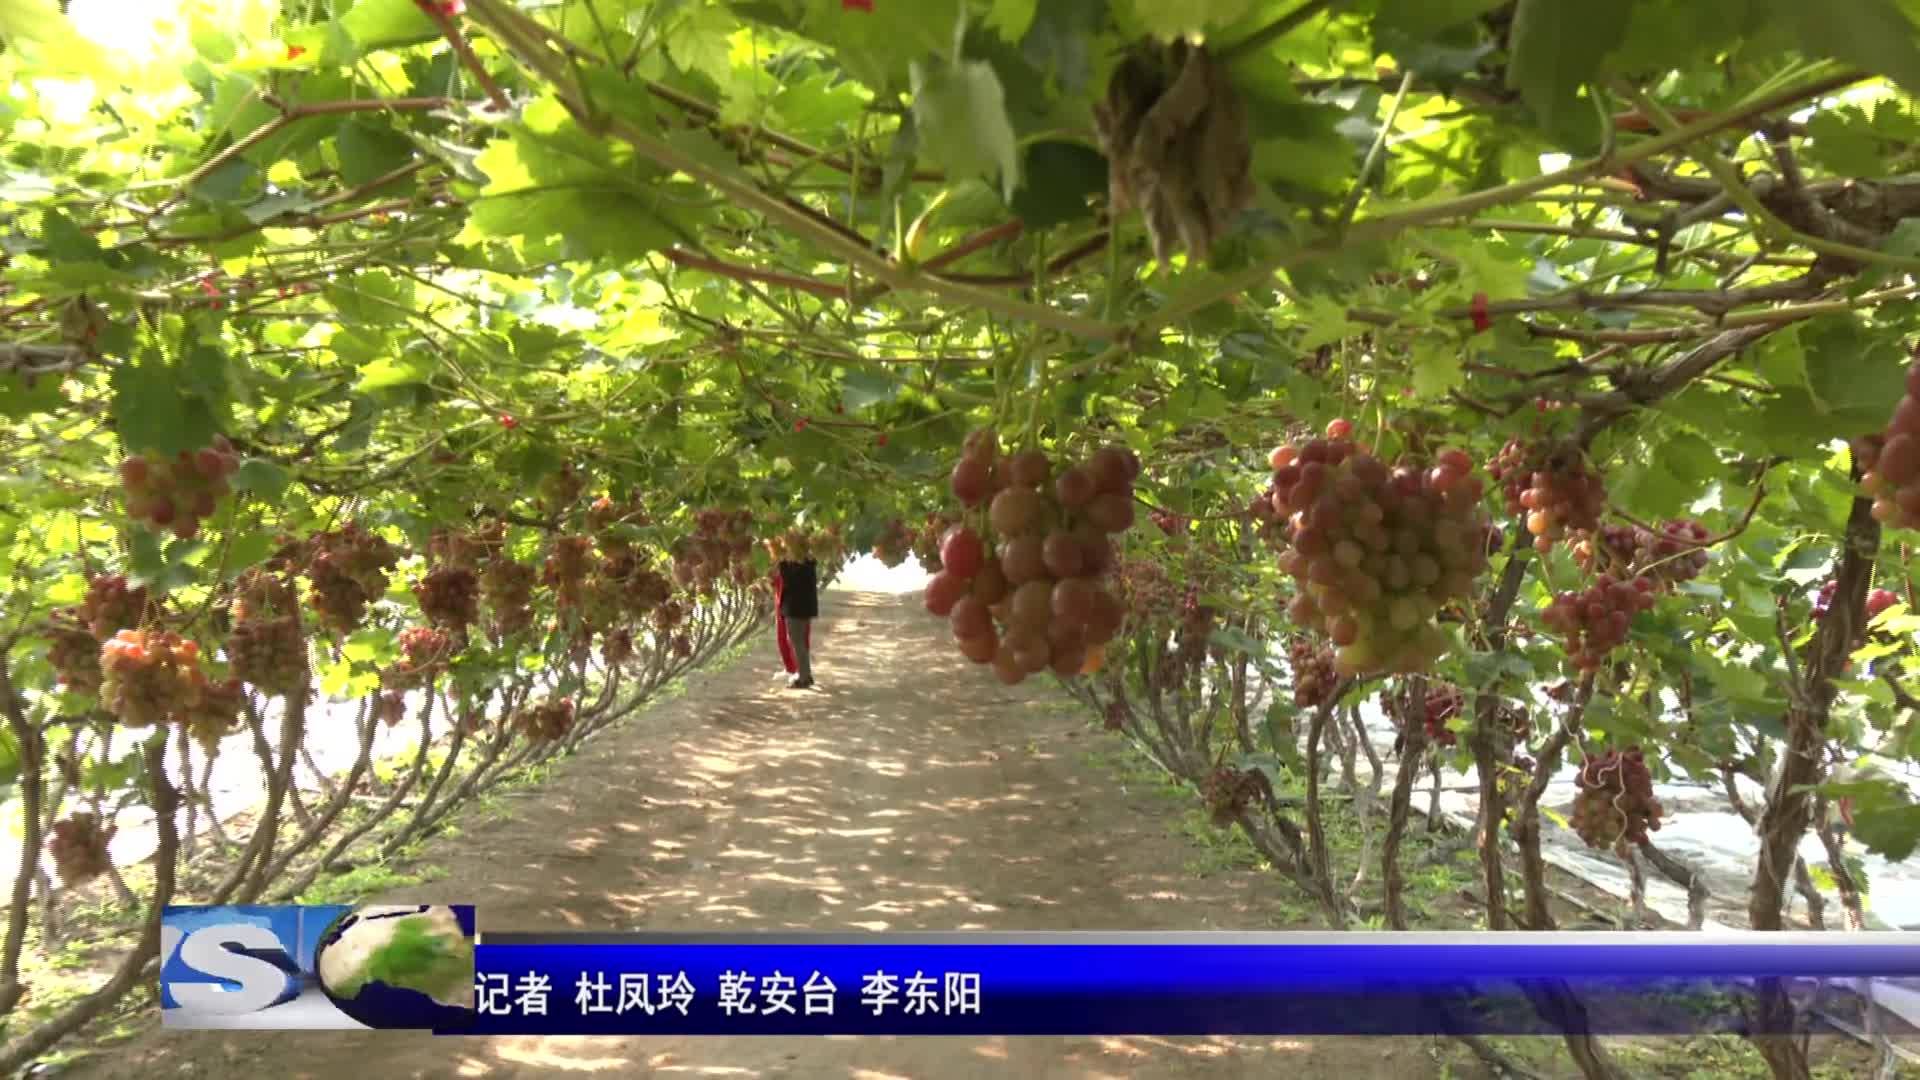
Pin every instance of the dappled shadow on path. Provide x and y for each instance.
(908, 791)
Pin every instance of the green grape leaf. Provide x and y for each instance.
(368, 151)
(261, 477)
(65, 241)
(1874, 34)
(1424, 18)
(1058, 180)
(960, 113)
(1557, 47)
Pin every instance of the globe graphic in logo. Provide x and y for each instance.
(400, 966)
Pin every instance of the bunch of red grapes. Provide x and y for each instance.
(1670, 556)
(1169, 522)
(181, 493)
(720, 539)
(214, 711)
(467, 547)
(507, 587)
(348, 570)
(561, 488)
(1891, 464)
(261, 593)
(269, 652)
(681, 646)
(1442, 704)
(78, 845)
(1031, 593)
(112, 605)
(1878, 600)
(1145, 590)
(927, 541)
(894, 545)
(605, 513)
(1229, 791)
(1553, 487)
(548, 721)
(1195, 630)
(617, 648)
(669, 615)
(74, 653)
(1314, 679)
(149, 677)
(424, 654)
(1616, 800)
(449, 597)
(1595, 620)
(566, 569)
(1378, 550)
(392, 707)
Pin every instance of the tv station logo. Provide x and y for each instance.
(319, 967)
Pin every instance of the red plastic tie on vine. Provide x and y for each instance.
(1481, 321)
(295, 52)
(856, 5)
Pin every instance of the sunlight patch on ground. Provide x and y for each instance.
(547, 1054)
(868, 574)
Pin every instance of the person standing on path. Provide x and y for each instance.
(799, 593)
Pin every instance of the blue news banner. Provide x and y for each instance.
(1161, 983)
(426, 967)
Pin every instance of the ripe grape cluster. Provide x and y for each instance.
(149, 677)
(1672, 555)
(269, 652)
(1615, 802)
(927, 540)
(669, 615)
(604, 514)
(1229, 791)
(470, 548)
(896, 542)
(1878, 601)
(1595, 620)
(262, 593)
(507, 587)
(1195, 630)
(74, 653)
(392, 707)
(720, 539)
(1442, 704)
(449, 597)
(1038, 599)
(568, 563)
(1169, 522)
(214, 711)
(112, 605)
(681, 646)
(1891, 463)
(424, 654)
(348, 570)
(182, 492)
(1553, 487)
(547, 721)
(1314, 678)
(78, 844)
(617, 647)
(561, 488)
(1378, 550)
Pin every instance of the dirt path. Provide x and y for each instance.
(908, 792)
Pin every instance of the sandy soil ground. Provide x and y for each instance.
(908, 791)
